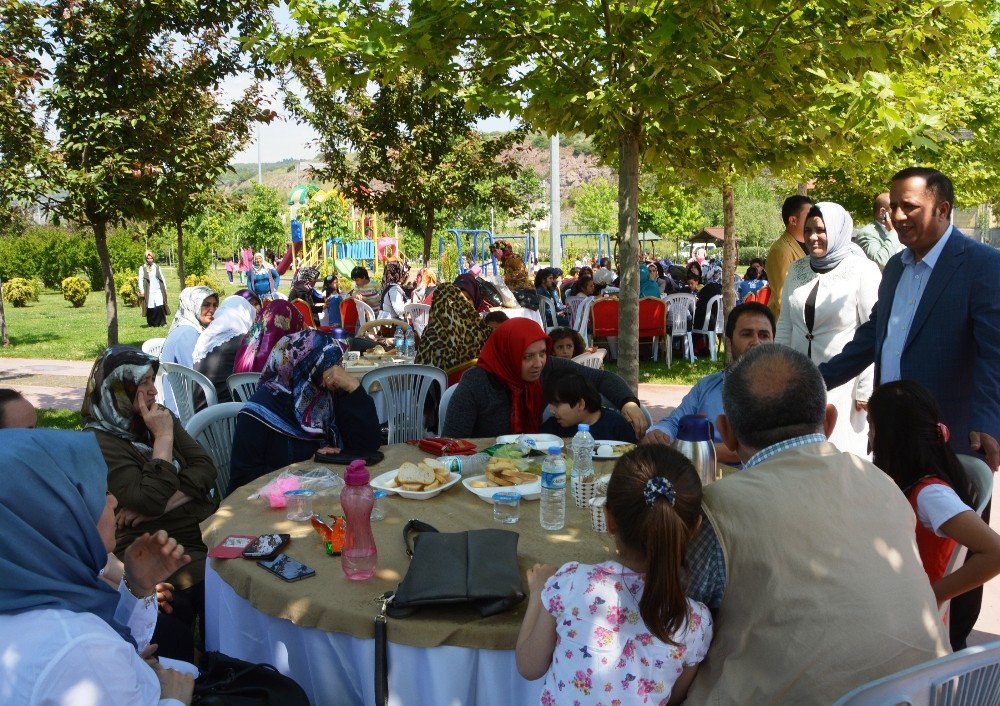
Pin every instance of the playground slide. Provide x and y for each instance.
(286, 262)
(344, 266)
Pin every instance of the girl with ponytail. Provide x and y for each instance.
(910, 443)
(623, 630)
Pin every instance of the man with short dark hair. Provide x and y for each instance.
(878, 239)
(748, 325)
(366, 289)
(807, 557)
(937, 322)
(15, 411)
(791, 246)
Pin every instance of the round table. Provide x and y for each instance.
(320, 630)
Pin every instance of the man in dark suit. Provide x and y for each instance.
(937, 322)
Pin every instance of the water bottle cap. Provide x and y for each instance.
(583, 427)
(694, 427)
(356, 473)
(554, 451)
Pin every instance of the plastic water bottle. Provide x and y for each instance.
(410, 341)
(552, 511)
(400, 341)
(466, 465)
(360, 557)
(583, 452)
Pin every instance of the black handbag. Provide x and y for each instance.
(527, 299)
(477, 568)
(489, 292)
(227, 681)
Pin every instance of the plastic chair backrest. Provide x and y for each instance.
(153, 346)
(679, 308)
(214, 428)
(365, 312)
(404, 390)
(981, 477)
(970, 677)
(182, 381)
(456, 372)
(242, 385)
(710, 311)
(581, 320)
(592, 360)
(646, 413)
(418, 314)
(652, 317)
(763, 295)
(306, 312)
(547, 308)
(349, 314)
(379, 323)
(443, 407)
(604, 314)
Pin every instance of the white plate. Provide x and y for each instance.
(382, 483)
(527, 491)
(540, 442)
(609, 443)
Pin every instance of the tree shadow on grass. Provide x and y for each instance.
(27, 339)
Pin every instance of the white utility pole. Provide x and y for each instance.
(554, 201)
(260, 173)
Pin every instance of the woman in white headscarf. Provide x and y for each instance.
(826, 297)
(215, 352)
(194, 312)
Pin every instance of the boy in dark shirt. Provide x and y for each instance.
(572, 401)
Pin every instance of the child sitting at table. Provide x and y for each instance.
(910, 444)
(567, 343)
(572, 401)
(623, 631)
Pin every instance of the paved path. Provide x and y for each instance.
(59, 384)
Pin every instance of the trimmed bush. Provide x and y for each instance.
(204, 281)
(128, 288)
(20, 291)
(75, 290)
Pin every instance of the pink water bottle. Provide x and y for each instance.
(360, 557)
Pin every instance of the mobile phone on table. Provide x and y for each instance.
(287, 568)
(266, 546)
(232, 546)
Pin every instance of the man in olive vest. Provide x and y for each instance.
(807, 557)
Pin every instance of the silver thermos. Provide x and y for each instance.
(695, 439)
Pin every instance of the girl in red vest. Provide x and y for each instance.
(910, 443)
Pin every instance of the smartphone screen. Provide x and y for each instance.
(287, 568)
(265, 546)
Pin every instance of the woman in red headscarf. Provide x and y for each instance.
(503, 393)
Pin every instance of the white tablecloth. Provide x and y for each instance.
(337, 669)
(522, 313)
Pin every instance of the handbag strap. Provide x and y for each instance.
(414, 527)
(810, 315)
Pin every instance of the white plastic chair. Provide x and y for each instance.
(365, 312)
(970, 677)
(582, 319)
(153, 346)
(182, 381)
(443, 407)
(214, 429)
(714, 308)
(680, 312)
(550, 318)
(592, 360)
(242, 385)
(982, 481)
(418, 315)
(405, 389)
(646, 413)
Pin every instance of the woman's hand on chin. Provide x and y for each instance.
(156, 418)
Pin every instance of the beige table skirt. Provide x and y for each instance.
(330, 601)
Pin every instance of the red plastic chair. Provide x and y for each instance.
(604, 318)
(349, 315)
(653, 321)
(764, 294)
(455, 372)
(306, 312)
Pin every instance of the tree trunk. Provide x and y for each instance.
(110, 298)
(802, 188)
(729, 249)
(428, 232)
(4, 340)
(628, 256)
(180, 251)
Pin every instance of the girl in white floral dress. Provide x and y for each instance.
(623, 632)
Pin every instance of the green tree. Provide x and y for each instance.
(669, 211)
(260, 226)
(329, 218)
(595, 206)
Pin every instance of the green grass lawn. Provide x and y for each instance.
(59, 419)
(52, 328)
(680, 373)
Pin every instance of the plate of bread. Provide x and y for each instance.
(503, 474)
(417, 481)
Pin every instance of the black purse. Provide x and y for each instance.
(477, 568)
(227, 681)
(527, 298)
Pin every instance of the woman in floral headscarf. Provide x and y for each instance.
(515, 276)
(163, 479)
(276, 320)
(215, 352)
(392, 299)
(305, 402)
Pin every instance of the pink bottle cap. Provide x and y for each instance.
(357, 473)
